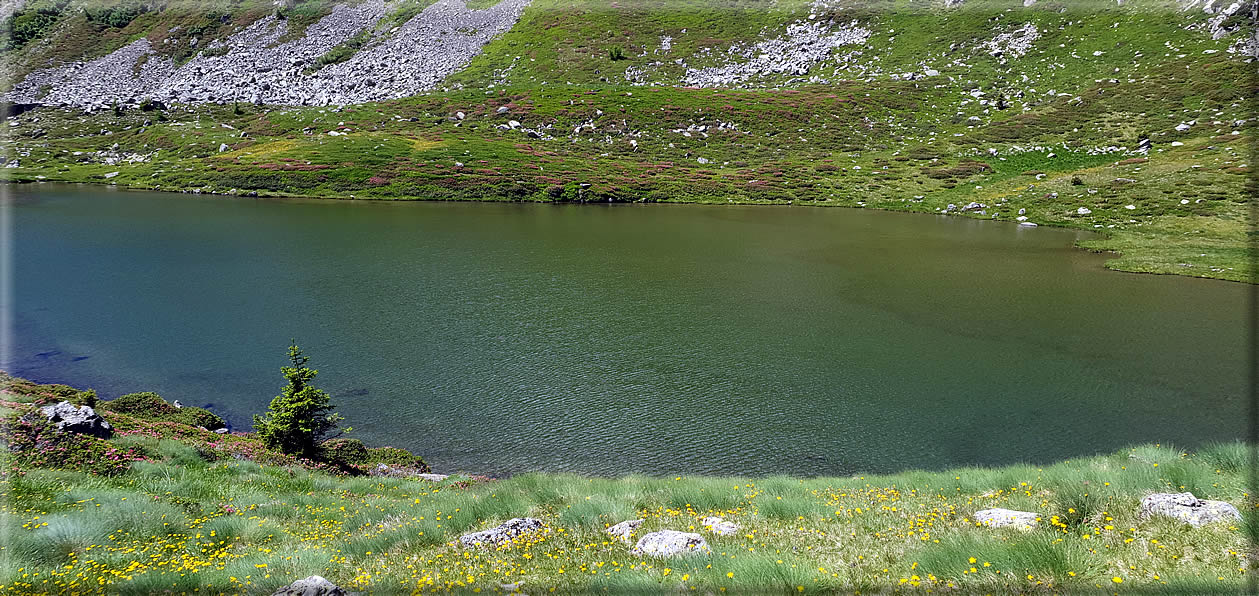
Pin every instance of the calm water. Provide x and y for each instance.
(499, 338)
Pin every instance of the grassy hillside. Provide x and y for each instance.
(1051, 135)
(182, 509)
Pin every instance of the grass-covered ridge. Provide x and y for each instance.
(184, 517)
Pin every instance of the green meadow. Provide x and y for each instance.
(191, 511)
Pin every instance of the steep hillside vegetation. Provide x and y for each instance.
(1129, 119)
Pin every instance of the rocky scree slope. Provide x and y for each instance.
(255, 65)
(360, 52)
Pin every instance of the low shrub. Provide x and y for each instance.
(151, 406)
(33, 442)
(964, 169)
(38, 394)
(398, 458)
(346, 452)
(145, 404)
(194, 416)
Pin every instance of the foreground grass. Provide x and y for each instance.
(239, 526)
(200, 512)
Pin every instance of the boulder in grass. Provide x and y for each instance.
(1006, 518)
(670, 543)
(625, 530)
(310, 586)
(67, 417)
(1188, 508)
(503, 533)
(719, 526)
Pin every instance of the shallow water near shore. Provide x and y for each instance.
(662, 339)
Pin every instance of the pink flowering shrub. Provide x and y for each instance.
(33, 442)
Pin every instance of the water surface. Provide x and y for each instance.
(500, 338)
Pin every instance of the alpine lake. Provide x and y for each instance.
(500, 338)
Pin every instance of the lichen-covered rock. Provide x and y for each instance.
(625, 530)
(83, 420)
(1006, 518)
(669, 543)
(399, 472)
(310, 586)
(503, 533)
(719, 526)
(1188, 508)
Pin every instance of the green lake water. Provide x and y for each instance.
(499, 338)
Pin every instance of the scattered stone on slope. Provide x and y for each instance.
(66, 417)
(624, 531)
(394, 472)
(719, 526)
(310, 586)
(1013, 44)
(1006, 518)
(401, 62)
(503, 533)
(669, 543)
(803, 46)
(1188, 508)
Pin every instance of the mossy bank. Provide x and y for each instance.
(193, 511)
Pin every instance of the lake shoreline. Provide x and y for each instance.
(1100, 244)
(160, 487)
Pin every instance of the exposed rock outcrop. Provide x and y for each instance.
(503, 533)
(1006, 518)
(1188, 508)
(249, 66)
(1014, 43)
(402, 472)
(310, 586)
(669, 543)
(624, 531)
(719, 526)
(804, 45)
(67, 417)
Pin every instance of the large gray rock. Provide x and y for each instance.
(311, 586)
(392, 472)
(1006, 518)
(1188, 508)
(83, 420)
(719, 526)
(669, 543)
(624, 531)
(503, 533)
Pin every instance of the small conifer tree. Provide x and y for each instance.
(301, 416)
